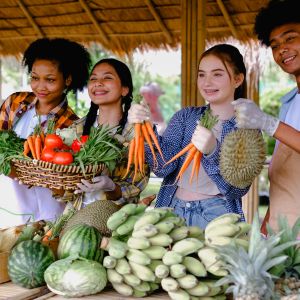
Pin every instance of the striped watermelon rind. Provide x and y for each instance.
(28, 262)
(82, 240)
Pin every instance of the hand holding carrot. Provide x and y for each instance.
(139, 112)
(204, 140)
(140, 116)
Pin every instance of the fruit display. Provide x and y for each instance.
(155, 248)
(152, 248)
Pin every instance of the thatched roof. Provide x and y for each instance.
(119, 25)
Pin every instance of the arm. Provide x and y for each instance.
(288, 136)
(249, 115)
(127, 189)
(4, 114)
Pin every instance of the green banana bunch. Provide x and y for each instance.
(227, 229)
(152, 248)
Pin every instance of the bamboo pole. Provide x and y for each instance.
(193, 36)
(251, 199)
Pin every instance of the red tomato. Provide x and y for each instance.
(53, 141)
(84, 139)
(76, 146)
(63, 158)
(48, 154)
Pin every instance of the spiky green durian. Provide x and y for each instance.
(242, 156)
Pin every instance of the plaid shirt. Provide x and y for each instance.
(177, 135)
(130, 191)
(14, 107)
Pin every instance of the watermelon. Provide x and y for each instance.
(27, 263)
(81, 240)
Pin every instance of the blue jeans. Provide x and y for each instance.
(199, 213)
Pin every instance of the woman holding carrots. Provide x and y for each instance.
(56, 67)
(204, 195)
(110, 89)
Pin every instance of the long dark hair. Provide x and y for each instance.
(231, 55)
(126, 81)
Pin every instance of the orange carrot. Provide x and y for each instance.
(47, 235)
(154, 138)
(196, 166)
(180, 153)
(30, 140)
(26, 148)
(137, 134)
(38, 146)
(42, 134)
(148, 140)
(130, 156)
(186, 162)
(141, 154)
(136, 164)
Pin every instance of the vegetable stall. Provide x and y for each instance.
(133, 251)
(151, 253)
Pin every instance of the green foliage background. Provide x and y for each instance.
(274, 83)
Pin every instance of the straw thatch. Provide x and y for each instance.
(119, 25)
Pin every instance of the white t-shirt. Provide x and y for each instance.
(292, 117)
(18, 203)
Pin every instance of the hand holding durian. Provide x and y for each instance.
(250, 116)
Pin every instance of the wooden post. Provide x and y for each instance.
(251, 199)
(1, 81)
(193, 28)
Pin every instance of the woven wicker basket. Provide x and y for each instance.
(53, 176)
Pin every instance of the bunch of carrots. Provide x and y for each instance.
(34, 143)
(143, 132)
(193, 154)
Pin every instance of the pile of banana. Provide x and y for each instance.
(153, 248)
(227, 229)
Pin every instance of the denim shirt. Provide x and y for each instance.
(177, 135)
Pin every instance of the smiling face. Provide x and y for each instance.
(217, 82)
(285, 45)
(104, 86)
(47, 82)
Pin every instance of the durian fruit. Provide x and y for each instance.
(243, 154)
(94, 214)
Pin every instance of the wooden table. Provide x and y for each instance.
(10, 291)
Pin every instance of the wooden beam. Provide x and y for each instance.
(94, 21)
(159, 21)
(227, 18)
(30, 19)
